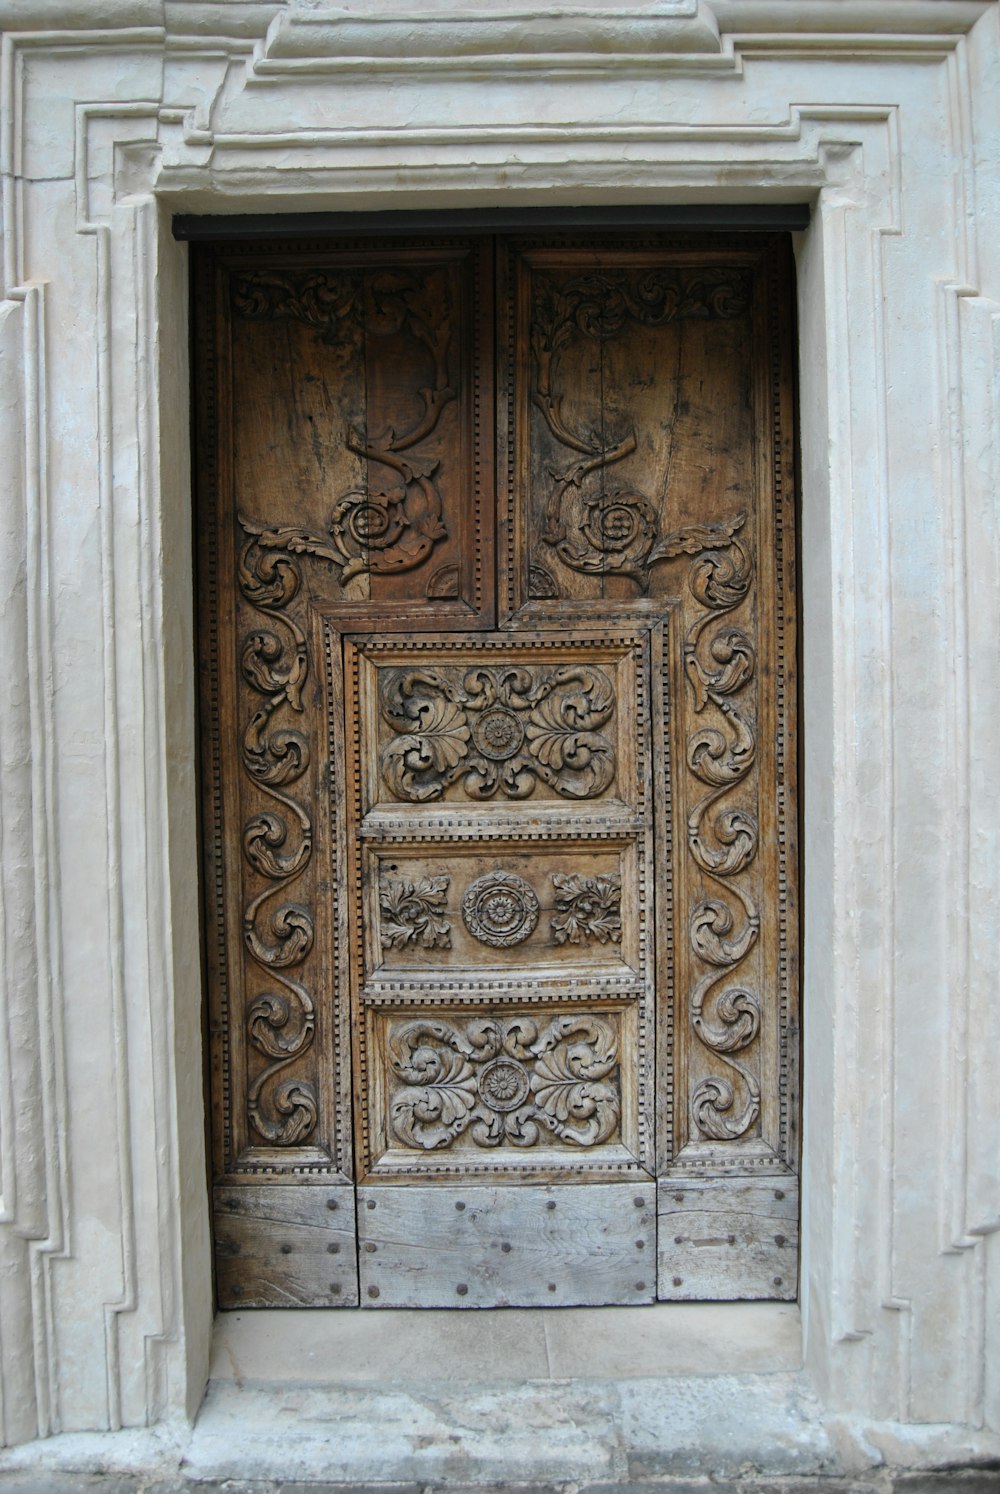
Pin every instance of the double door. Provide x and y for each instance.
(496, 554)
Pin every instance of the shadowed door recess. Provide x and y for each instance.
(495, 546)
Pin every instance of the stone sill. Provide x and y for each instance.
(398, 1347)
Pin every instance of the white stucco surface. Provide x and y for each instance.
(882, 117)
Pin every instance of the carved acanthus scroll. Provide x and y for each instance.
(496, 729)
(594, 529)
(505, 1082)
(277, 845)
(587, 908)
(375, 528)
(413, 913)
(723, 841)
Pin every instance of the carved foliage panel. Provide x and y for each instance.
(502, 905)
(564, 905)
(533, 724)
(355, 422)
(528, 1089)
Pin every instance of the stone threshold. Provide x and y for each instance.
(400, 1347)
(682, 1399)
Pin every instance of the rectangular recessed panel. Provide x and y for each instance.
(285, 1245)
(729, 1239)
(501, 726)
(437, 909)
(528, 1246)
(516, 1089)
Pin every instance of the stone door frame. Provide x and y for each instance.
(107, 134)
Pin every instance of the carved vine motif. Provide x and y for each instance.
(505, 1081)
(615, 532)
(720, 663)
(277, 845)
(498, 729)
(387, 528)
(413, 913)
(500, 909)
(588, 908)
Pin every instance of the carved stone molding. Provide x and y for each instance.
(907, 86)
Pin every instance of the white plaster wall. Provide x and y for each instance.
(882, 116)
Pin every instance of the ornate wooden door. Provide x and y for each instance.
(496, 551)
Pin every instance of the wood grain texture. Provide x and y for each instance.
(728, 1239)
(485, 906)
(285, 1246)
(470, 1246)
(501, 795)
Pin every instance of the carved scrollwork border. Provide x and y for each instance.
(277, 844)
(376, 529)
(722, 838)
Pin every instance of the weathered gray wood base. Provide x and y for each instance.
(727, 1239)
(285, 1245)
(515, 1246)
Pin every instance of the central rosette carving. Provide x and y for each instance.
(498, 734)
(500, 909)
(504, 1084)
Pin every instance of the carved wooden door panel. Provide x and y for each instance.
(497, 635)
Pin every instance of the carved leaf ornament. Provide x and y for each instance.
(277, 847)
(413, 913)
(594, 529)
(587, 908)
(505, 1082)
(498, 729)
(723, 841)
(377, 528)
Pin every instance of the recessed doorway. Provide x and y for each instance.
(496, 577)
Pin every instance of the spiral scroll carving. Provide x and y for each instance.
(722, 838)
(278, 931)
(385, 526)
(593, 529)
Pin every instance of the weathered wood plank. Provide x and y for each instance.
(285, 1245)
(728, 1239)
(477, 1246)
